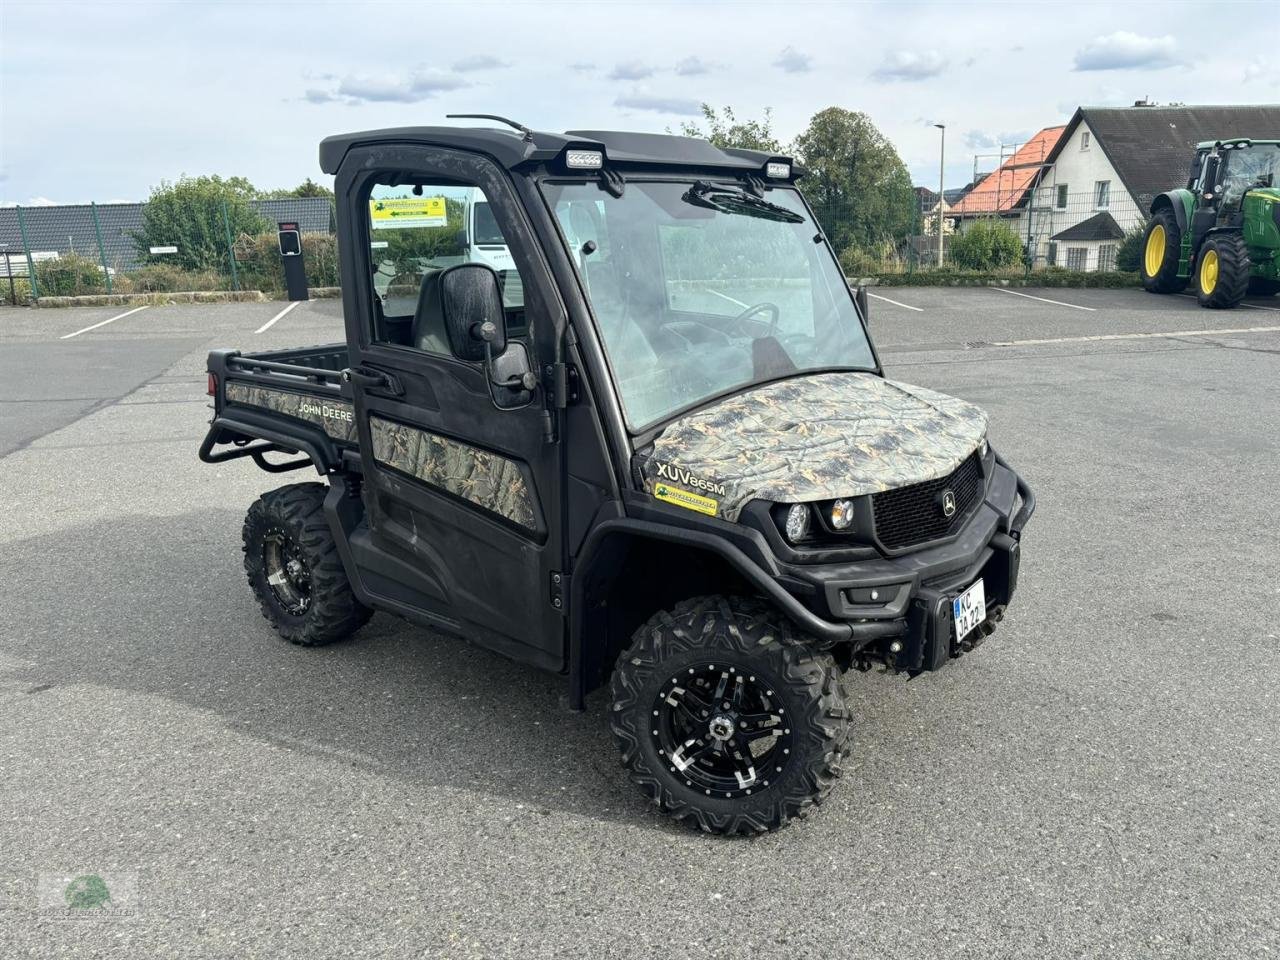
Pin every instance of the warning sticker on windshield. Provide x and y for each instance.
(401, 213)
(686, 499)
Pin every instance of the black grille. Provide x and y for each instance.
(913, 514)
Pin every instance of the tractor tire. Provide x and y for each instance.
(1161, 250)
(726, 718)
(1263, 287)
(1222, 271)
(294, 570)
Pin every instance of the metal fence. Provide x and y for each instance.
(1055, 228)
(93, 248)
(90, 249)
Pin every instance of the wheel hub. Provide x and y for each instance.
(286, 571)
(721, 728)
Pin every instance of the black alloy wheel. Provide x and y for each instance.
(723, 731)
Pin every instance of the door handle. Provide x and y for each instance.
(372, 380)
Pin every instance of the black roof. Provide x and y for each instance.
(511, 148)
(1101, 226)
(1151, 147)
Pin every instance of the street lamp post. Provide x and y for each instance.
(942, 170)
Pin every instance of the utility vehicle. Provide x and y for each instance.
(1222, 229)
(674, 460)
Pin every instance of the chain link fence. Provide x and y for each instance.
(92, 249)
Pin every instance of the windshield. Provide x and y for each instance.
(485, 227)
(1255, 166)
(700, 290)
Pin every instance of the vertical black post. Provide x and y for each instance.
(295, 273)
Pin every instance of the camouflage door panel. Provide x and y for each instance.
(337, 418)
(489, 480)
(810, 438)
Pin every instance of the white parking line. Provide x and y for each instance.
(269, 323)
(103, 323)
(905, 306)
(1058, 303)
(1134, 336)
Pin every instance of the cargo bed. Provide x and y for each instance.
(281, 401)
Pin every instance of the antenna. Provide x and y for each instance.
(528, 134)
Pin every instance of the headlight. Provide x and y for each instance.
(797, 523)
(841, 514)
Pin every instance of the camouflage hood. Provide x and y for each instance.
(810, 438)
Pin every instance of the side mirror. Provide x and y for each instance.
(463, 242)
(474, 319)
(864, 306)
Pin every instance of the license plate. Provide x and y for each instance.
(970, 609)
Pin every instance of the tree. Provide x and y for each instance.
(307, 188)
(725, 130)
(858, 185)
(189, 215)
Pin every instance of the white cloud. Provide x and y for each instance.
(792, 60)
(694, 67)
(674, 105)
(1262, 70)
(582, 67)
(387, 89)
(480, 61)
(631, 70)
(907, 65)
(1123, 50)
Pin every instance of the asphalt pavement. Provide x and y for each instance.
(1098, 780)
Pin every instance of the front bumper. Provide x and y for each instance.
(901, 606)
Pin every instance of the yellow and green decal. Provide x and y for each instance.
(686, 499)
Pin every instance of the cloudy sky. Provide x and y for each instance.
(100, 101)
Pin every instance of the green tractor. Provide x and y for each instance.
(1221, 231)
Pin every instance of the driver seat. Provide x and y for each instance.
(428, 330)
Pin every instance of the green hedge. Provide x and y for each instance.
(1053, 277)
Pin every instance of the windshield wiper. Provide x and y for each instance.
(728, 200)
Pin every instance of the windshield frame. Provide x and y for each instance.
(643, 434)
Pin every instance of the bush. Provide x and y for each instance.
(1129, 254)
(194, 215)
(986, 245)
(170, 278)
(859, 261)
(69, 275)
(259, 266)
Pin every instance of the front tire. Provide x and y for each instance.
(1161, 250)
(294, 570)
(1222, 271)
(726, 718)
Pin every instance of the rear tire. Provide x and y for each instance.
(1263, 287)
(1161, 250)
(727, 720)
(294, 570)
(1222, 271)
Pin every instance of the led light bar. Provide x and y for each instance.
(777, 171)
(583, 159)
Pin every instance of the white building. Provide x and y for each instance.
(1110, 163)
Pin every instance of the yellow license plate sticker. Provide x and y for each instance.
(686, 499)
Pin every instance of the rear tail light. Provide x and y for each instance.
(213, 385)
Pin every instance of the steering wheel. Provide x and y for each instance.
(749, 314)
